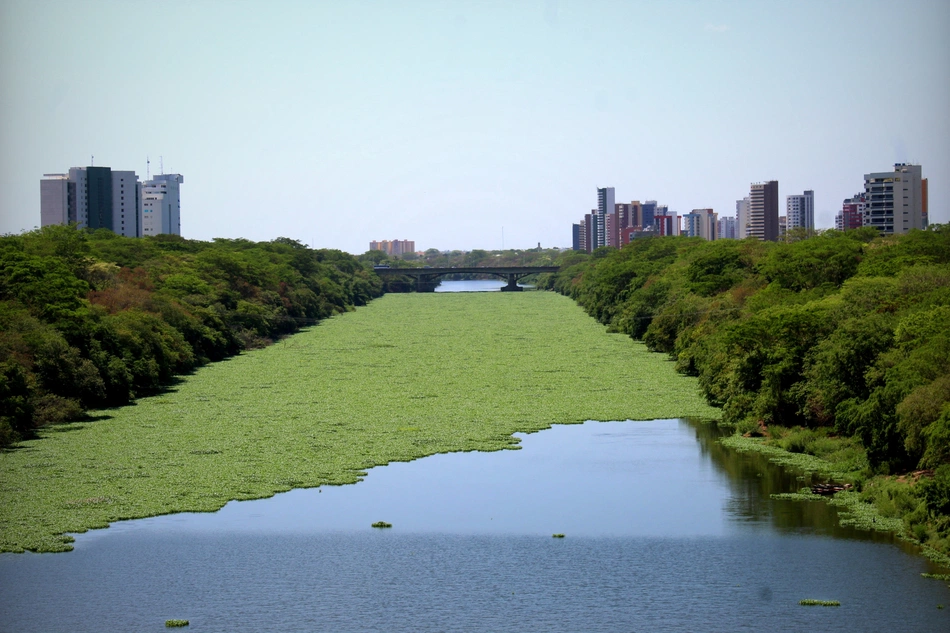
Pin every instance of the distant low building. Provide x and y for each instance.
(394, 247)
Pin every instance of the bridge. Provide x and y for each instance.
(427, 277)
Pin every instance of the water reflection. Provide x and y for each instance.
(666, 530)
(753, 479)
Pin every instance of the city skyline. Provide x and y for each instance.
(471, 125)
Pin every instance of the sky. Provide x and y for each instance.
(464, 125)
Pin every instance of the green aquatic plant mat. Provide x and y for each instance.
(407, 376)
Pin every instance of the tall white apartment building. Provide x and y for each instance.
(161, 205)
(895, 201)
(742, 217)
(800, 211)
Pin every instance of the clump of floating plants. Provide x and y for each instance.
(819, 603)
(937, 576)
(173, 623)
(407, 376)
(558, 535)
(382, 524)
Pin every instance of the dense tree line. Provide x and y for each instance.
(845, 332)
(92, 320)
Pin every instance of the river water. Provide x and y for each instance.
(665, 530)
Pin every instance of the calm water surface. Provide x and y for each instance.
(474, 285)
(665, 531)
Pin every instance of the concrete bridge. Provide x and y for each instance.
(428, 278)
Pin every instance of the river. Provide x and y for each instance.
(665, 530)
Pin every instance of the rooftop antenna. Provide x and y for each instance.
(148, 173)
(161, 164)
(92, 161)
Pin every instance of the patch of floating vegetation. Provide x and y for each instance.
(805, 494)
(862, 515)
(340, 400)
(801, 461)
(175, 623)
(819, 603)
(382, 524)
(945, 577)
(558, 535)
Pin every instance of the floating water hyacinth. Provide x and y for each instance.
(819, 603)
(558, 535)
(174, 623)
(407, 376)
(382, 524)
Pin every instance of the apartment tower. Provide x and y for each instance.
(800, 212)
(763, 211)
(895, 200)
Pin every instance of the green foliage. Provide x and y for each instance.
(407, 376)
(94, 319)
(808, 602)
(382, 524)
(176, 623)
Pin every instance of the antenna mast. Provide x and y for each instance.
(148, 173)
(161, 164)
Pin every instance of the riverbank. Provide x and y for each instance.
(880, 503)
(402, 378)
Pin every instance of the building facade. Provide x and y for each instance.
(103, 198)
(701, 223)
(894, 200)
(763, 211)
(726, 228)
(161, 205)
(800, 211)
(742, 218)
(394, 247)
(851, 215)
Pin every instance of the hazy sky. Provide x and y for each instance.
(456, 123)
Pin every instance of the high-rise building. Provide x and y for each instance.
(161, 205)
(894, 200)
(605, 208)
(628, 216)
(666, 222)
(57, 199)
(800, 211)
(577, 241)
(127, 205)
(852, 213)
(95, 198)
(763, 211)
(726, 228)
(742, 218)
(700, 223)
(648, 210)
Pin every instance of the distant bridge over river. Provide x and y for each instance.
(428, 278)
